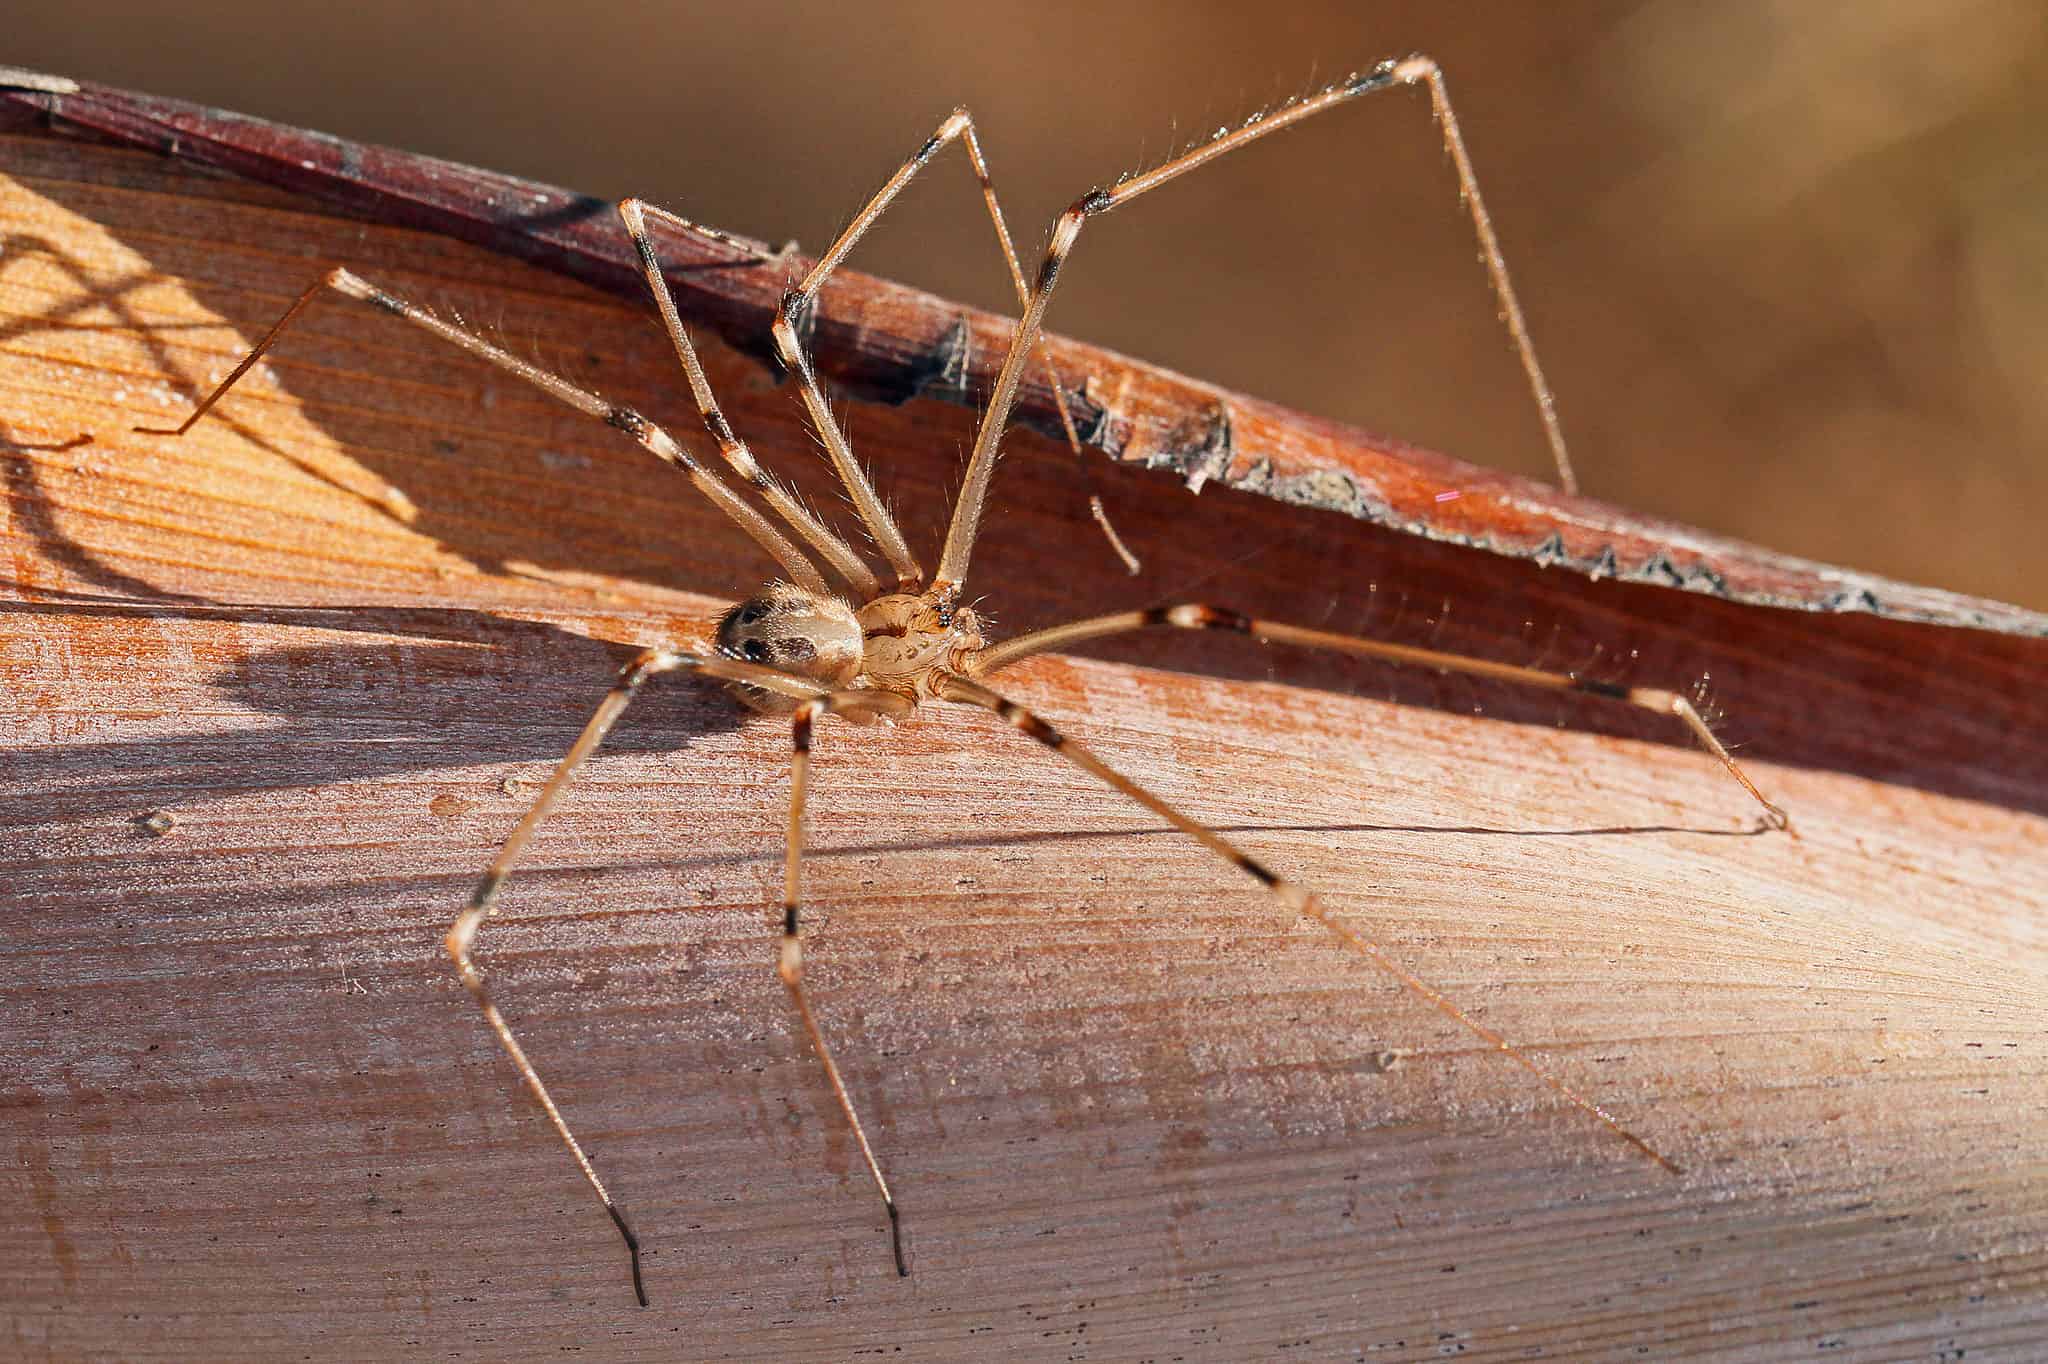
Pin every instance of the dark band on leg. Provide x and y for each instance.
(1262, 875)
(390, 303)
(628, 421)
(1379, 78)
(487, 889)
(1031, 724)
(1599, 688)
(1199, 616)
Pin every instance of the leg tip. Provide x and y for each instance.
(632, 1250)
(896, 1241)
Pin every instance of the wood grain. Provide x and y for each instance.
(1131, 1111)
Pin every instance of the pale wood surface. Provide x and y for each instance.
(1131, 1110)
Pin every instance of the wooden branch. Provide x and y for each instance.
(278, 689)
(891, 343)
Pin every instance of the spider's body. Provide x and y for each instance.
(901, 642)
(802, 648)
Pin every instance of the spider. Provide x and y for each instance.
(869, 652)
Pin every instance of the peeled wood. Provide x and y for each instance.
(336, 634)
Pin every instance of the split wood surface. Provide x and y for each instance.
(333, 638)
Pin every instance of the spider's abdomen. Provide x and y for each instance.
(807, 633)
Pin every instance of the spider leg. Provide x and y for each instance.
(1195, 616)
(967, 692)
(483, 900)
(960, 124)
(342, 281)
(789, 964)
(1413, 70)
(833, 549)
(957, 125)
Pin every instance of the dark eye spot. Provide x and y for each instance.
(749, 614)
(755, 651)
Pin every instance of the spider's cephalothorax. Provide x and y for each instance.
(902, 642)
(913, 639)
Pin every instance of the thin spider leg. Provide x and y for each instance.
(758, 253)
(1413, 70)
(1195, 616)
(483, 900)
(959, 124)
(834, 550)
(789, 964)
(965, 692)
(995, 213)
(793, 561)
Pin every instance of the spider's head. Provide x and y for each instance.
(807, 633)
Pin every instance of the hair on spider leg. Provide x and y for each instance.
(1703, 700)
(830, 635)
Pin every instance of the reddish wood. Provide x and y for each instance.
(1132, 1112)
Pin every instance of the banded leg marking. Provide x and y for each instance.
(789, 962)
(1196, 616)
(483, 901)
(966, 692)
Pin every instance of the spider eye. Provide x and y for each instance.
(749, 614)
(755, 650)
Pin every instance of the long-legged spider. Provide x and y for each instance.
(802, 648)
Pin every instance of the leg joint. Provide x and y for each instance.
(648, 664)
(794, 311)
(1030, 724)
(1197, 616)
(1413, 69)
(1612, 690)
(719, 427)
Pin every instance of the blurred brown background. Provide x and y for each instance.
(1785, 261)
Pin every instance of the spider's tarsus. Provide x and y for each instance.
(632, 1249)
(896, 1239)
